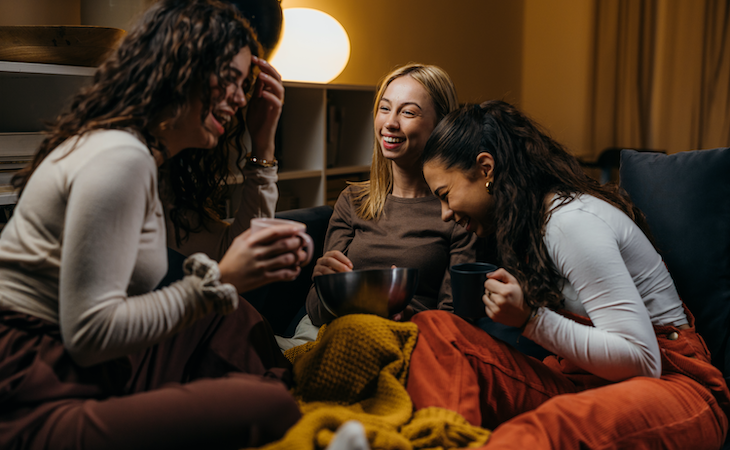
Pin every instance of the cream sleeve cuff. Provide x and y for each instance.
(222, 296)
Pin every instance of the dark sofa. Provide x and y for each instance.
(686, 200)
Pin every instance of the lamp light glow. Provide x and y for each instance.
(314, 47)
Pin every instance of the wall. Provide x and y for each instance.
(556, 69)
(534, 53)
(478, 42)
(40, 12)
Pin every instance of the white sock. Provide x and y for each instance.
(350, 436)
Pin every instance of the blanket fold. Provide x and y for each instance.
(357, 370)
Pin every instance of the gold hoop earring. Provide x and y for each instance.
(489, 187)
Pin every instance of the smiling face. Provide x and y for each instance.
(189, 131)
(405, 119)
(463, 194)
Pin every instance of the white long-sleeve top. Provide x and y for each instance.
(87, 244)
(613, 275)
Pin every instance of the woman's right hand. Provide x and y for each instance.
(266, 256)
(333, 261)
(504, 300)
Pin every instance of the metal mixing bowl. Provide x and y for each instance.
(383, 292)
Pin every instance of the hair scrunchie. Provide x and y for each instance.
(223, 296)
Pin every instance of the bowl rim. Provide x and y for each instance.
(367, 270)
(356, 271)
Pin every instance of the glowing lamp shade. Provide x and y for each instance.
(314, 47)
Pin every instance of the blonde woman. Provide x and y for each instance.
(393, 219)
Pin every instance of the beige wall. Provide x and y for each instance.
(531, 52)
(40, 12)
(478, 42)
(556, 77)
(535, 53)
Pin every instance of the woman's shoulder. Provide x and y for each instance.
(100, 141)
(583, 204)
(114, 157)
(355, 189)
(353, 194)
(585, 214)
(114, 139)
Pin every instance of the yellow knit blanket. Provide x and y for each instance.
(356, 370)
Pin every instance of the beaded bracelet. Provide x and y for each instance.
(256, 161)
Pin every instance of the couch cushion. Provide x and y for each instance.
(686, 199)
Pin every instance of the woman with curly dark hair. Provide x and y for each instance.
(91, 356)
(581, 278)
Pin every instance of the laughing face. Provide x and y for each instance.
(405, 119)
(464, 197)
(223, 105)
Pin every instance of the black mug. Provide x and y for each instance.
(467, 289)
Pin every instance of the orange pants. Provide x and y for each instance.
(532, 404)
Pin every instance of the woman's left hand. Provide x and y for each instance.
(264, 109)
(504, 300)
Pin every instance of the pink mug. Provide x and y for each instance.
(260, 223)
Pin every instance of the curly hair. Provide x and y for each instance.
(372, 193)
(528, 165)
(171, 53)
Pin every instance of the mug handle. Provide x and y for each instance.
(308, 245)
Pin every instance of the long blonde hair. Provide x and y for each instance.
(371, 195)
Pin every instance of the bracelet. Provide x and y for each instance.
(534, 313)
(256, 161)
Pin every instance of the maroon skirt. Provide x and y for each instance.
(41, 386)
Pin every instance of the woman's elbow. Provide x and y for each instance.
(646, 365)
(82, 349)
(82, 356)
(655, 369)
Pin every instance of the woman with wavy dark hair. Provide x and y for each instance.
(581, 278)
(91, 356)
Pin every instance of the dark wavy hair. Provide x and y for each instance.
(528, 165)
(171, 53)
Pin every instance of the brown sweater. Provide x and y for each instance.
(410, 233)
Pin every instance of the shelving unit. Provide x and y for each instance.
(30, 95)
(326, 134)
(325, 130)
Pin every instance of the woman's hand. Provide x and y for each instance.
(504, 300)
(256, 259)
(264, 109)
(333, 261)
(405, 315)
